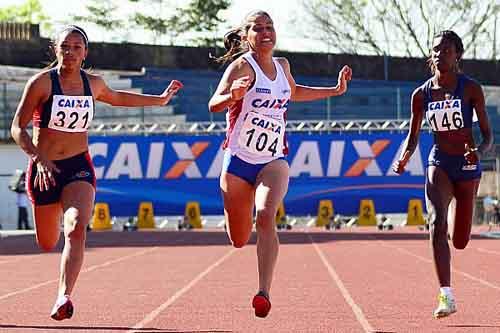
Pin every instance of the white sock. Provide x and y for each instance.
(62, 299)
(446, 291)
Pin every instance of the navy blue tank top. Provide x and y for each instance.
(452, 113)
(65, 113)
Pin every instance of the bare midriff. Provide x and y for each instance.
(57, 145)
(453, 142)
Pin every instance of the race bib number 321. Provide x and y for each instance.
(445, 115)
(262, 135)
(71, 113)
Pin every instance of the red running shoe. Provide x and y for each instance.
(63, 309)
(261, 304)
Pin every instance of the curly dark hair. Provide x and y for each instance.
(456, 40)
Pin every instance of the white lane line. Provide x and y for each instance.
(488, 251)
(153, 314)
(453, 269)
(14, 260)
(89, 269)
(355, 308)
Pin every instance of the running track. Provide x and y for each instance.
(359, 280)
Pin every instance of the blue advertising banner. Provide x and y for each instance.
(172, 170)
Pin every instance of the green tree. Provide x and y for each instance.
(199, 18)
(404, 27)
(100, 13)
(155, 23)
(29, 12)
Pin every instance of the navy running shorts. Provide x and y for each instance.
(455, 166)
(75, 168)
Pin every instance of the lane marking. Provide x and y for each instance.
(14, 260)
(488, 251)
(153, 314)
(89, 269)
(453, 269)
(355, 308)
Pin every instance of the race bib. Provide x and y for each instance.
(262, 135)
(445, 115)
(71, 113)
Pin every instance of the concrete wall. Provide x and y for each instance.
(127, 56)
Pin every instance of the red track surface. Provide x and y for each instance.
(359, 280)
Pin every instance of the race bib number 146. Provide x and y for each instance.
(445, 115)
(261, 135)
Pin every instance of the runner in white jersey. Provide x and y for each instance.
(256, 89)
(60, 178)
(256, 131)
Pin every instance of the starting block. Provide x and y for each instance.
(280, 215)
(192, 214)
(325, 213)
(101, 219)
(367, 213)
(281, 221)
(415, 213)
(145, 216)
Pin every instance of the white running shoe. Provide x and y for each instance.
(446, 306)
(63, 309)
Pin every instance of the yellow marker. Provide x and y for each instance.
(280, 215)
(415, 213)
(192, 214)
(325, 213)
(145, 216)
(101, 219)
(366, 213)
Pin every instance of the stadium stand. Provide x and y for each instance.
(366, 99)
(13, 80)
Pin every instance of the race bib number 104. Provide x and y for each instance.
(261, 135)
(445, 115)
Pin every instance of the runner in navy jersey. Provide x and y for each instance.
(60, 178)
(256, 89)
(448, 100)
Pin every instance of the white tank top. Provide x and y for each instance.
(256, 124)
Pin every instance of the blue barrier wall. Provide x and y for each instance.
(171, 170)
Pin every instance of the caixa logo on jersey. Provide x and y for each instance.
(277, 103)
(176, 158)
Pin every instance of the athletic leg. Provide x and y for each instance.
(47, 221)
(238, 197)
(272, 185)
(77, 201)
(439, 194)
(465, 194)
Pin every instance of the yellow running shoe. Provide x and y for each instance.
(446, 306)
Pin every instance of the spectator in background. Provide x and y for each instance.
(448, 100)
(61, 178)
(22, 205)
(18, 185)
(256, 89)
(489, 204)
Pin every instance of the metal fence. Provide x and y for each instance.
(19, 31)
